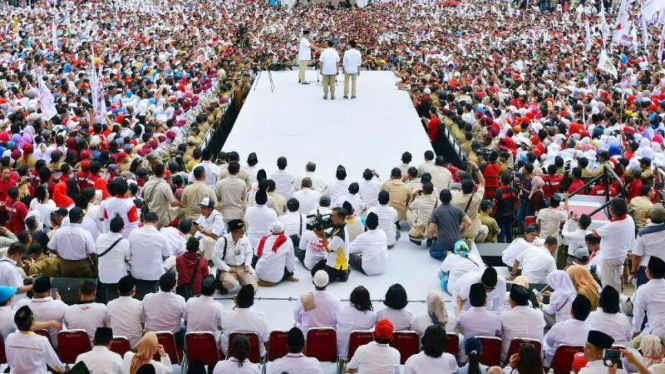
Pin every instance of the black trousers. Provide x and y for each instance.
(335, 275)
(300, 255)
(144, 287)
(356, 262)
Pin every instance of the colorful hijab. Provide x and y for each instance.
(146, 349)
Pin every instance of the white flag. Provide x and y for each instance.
(587, 48)
(54, 34)
(645, 35)
(651, 7)
(660, 45)
(97, 92)
(46, 100)
(606, 65)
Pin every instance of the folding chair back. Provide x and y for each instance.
(120, 345)
(407, 343)
(491, 354)
(322, 344)
(452, 344)
(254, 345)
(72, 343)
(562, 363)
(167, 340)
(201, 346)
(358, 338)
(277, 347)
(516, 343)
(44, 333)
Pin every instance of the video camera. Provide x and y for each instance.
(318, 221)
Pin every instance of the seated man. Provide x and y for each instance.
(572, 331)
(369, 252)
(295, 361)
(125, 314)
(44, 307)
(276, 257)
(312, 249)
(336, 263)
(28, 352)
(100, 359)
(295, 223)
(495, 288)
(486, 220)
(243, 318)
(596, 344)
(478, 321)
(318, 308)
(87, 315)
(42, 264)
(164, 310)
(377, 356)
(203, 313)
(536, 262)
(388, 220)
(233, 258)
(519, 245)
(521, 320)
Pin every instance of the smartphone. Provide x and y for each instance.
(612, 357)
(54, 293)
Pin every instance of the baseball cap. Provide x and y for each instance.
(207, 203)
(581, 253)
(6, 292)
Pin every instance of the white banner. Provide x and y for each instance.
(606, 65)
(651, 7)
(46, 100)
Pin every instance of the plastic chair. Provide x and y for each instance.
(516, 343)
(254, 345)
(356, 339)
(322, 344)
(562, 362)
(407, 343)
(167, 340)
(277, 346)
(44, 333)
(452, 344)
(72, 343)
(120, 345)
(202, 346)
(492, 347)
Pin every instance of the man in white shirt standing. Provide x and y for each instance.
(233, 258)
(113, 255)
(377, 356)
(164, 309)
(148, 250)
(203, 313)
(101, 360)
(649, 301)
(87, 314)
(369, 252)
(125, 314)
(616, 239)
(295, 362)
(351, 65)
(329, 69)
(304, 56)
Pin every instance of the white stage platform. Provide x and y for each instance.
(371, 131)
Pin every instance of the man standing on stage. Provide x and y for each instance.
(304, 56)
(351, 66)
(329, 68)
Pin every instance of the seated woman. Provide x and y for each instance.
(433, 358)
(239, 362)
(560, 300)
(358, 314)
(473, 349)
(147, 347)
(436, 315)
(395, 302)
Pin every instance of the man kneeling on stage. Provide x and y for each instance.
(336, 263)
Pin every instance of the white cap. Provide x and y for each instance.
(321, 279)
(207, 203)
(277, 227)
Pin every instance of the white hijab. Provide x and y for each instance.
(561, 283)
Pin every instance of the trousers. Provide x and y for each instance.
(611, 274)
(302, 67)
(353, 78)
(237, 274)
(329, 85)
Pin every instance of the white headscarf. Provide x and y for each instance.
(561, 283)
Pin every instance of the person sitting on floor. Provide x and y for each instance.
(369, 252)
(276, 257)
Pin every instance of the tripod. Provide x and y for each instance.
(258, 76)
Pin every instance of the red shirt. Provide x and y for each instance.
(5, 186)
(577, 184)
(552, 183)
(184, 265)
(599, 190)
(433, 129)
(82, 179)
(17, 212)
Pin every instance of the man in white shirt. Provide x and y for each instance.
(101, 360)
(537, 262)
(210, 226)
(295, 362)
(9, 274)
(353, 198)
(125, 314)
(276, 257)
(44, 307)
(318, 308)
(388, 218)
(258, 219)
(203, 313)
(477, 320)
(283, 179)
(317, 183)
(351, 65)
(369, 252)
(163, 310)
(304, 56)
(233, 258)
(649, 301)
(308, 198)
(329, 69)
(113, 254)
(178, 235)
(370, 188)
(521, 320)
(7, 325)
(572, 331)
(574, 231)
(597, 343)
(75, 247)
(377, 356)
(295, 223)
(28, 352)
(495, 288)
(616, 239)
(148, 250)
(243, 318)
(87, 314)
(650, 242)
(211, 170)
(519, 245)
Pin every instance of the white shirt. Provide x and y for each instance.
(329, 61)
(163, 366)
(113, 265)
(617, 238)
(295, 363)
(369, 192)
(46, 309)
(72, 242)
(536, 263)
(650, 242)
(295, 223)
(147, 252)
(214, 223)
(521, 322)
(650, 300)
(387, 218)
(401, 319)
(29, 353)
(456, 266)
(101, 361)
(570, 332)
(10, 276)
(178, 240)
(350, 319)
(283, 183)
(375, 358)
(212, 171)
(496, 299)
(598, 367)
(308, 199)
(237, 253)
(7, 325)
(352, 61)
(513, 250)
(231, 366)
(244, 320)
(354, 199)
(86, 316)
(478, 321)
(373, 247)
(163, 311)
(615, 325)
(271, 265)
(304, 51)
(337, 189)
(203, 313)
(258, 219)
(314, 249)
(423, 364)
(573, 236)
(559, 306)
(125, 316)
(423, 321)
(123, 207)
(318, 183)
(324, 313)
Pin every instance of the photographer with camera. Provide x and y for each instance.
(336, 263)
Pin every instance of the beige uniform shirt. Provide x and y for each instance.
(278, 203)
(399, 196)
(461, 200)
(232, 196)
(159, 197)
(192, 197)
(640, 209)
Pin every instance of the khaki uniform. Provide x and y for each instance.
(243, 175)
(47, 266)
(400, 193)
(647, 176)
(353, 78)
(278, 203)
(302, 67)
(640, 209)
(159, 197)
(462, 200)
(232, 196)
(192, 197)
(487, 220)
(419, 214)
(329, 85)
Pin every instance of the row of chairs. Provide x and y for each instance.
(321, 344)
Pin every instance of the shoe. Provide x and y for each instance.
(325, 97)
(305, 83)
(263, 283)
(353, 97)
(346, 97)
(332, 98)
